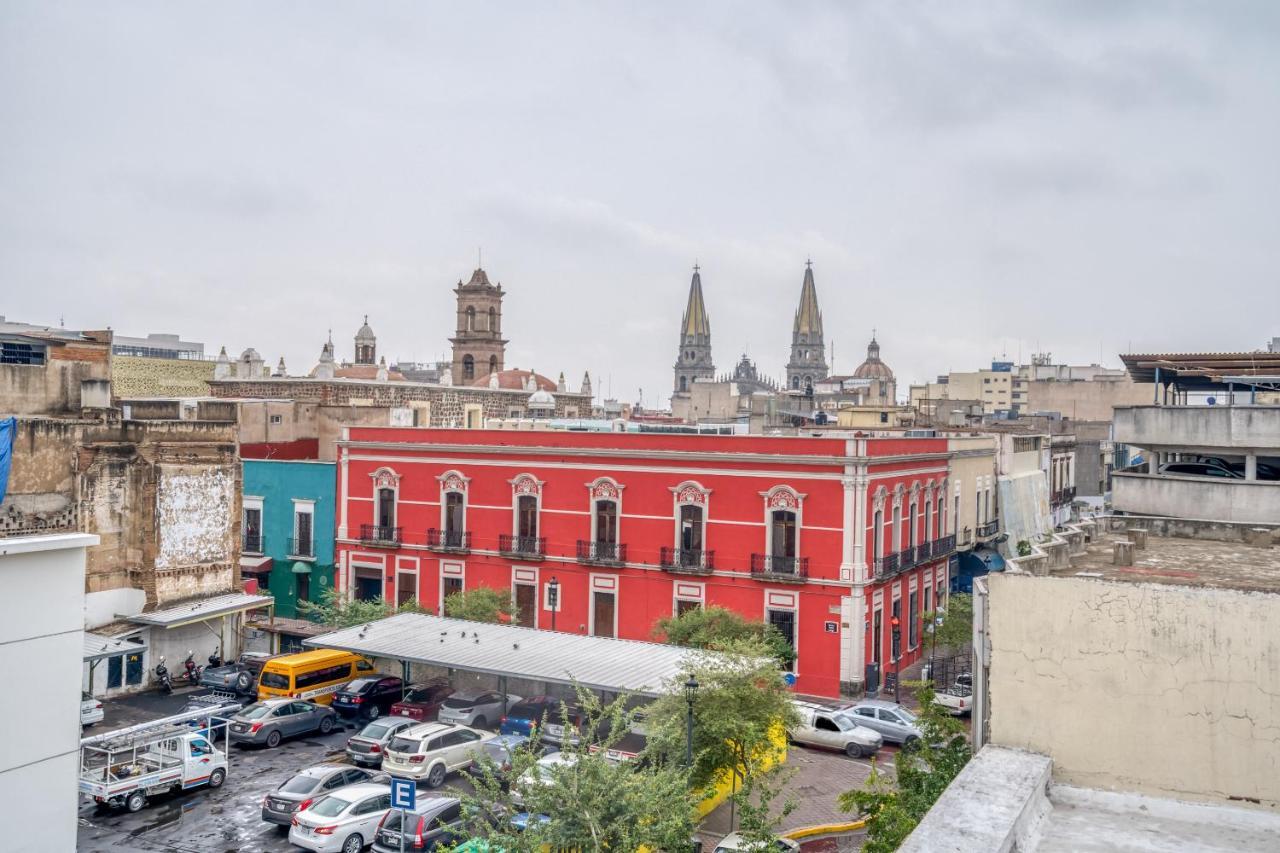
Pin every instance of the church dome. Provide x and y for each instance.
(873, 367)
(541, 401)
(365, 333)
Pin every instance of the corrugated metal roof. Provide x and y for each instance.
(98, 646)
(204, 608)
(599, 663)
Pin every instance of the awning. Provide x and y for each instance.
(202, 609)
(301, 567)
(981, 560)
(99, 646)
(255, 564)
(598, 663)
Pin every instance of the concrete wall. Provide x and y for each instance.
(139, 376)
(41, 634)
(1210, 498)
(1149, 688)
(54, 387)
(1091, 400)
(1224, 428)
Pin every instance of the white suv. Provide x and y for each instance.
(431, 751)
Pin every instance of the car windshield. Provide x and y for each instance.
(906, 715)
(275, 680)
(845, 723)
(359, 685)
(329, 807)
(526, 711)
(377, 730)
(300, 785)
(463, 701)
(403, 744)
(256, 711)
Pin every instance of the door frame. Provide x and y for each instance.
(528, 576)
(606, 584)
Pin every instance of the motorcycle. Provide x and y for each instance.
(193, 669)
(162, 675)
(215, 660)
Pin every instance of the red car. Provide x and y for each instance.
(422, 701)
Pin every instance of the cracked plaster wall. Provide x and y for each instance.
(1156, 689)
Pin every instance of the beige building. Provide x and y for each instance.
(975, 504)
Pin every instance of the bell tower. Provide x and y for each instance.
(694, 358)
(478, 346)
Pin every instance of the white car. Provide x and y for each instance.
(734, 842)
(475, 708)
(541, 773)
(90, 709)
(431, 751)
(345, 821)
(833, 729)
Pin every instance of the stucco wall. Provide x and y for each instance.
(140, 376)
(1240, 501)
(1150, 688)
(193, 507)
(1229, 428)
(1091, 400)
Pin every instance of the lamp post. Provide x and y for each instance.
(553, 599)
(690, 694)
(897, 645)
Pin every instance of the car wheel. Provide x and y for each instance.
(374, 711)
(136, 801)
(910, 743)
(217, 777)
(480, 723)
(853, 750)
(353, 844)
(326, 725)
(273, 739)
(436, 777)
(243, 682)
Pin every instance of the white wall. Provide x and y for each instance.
(41, 645)
(103, 608)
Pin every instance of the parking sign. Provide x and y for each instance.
(404, 793)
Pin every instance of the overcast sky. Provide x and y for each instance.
(969, 179)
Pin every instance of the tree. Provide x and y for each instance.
(481, 604)
(721, 628)
(758, 823)
(955, 630)
(587, 801)
(741, 709)
(923, 773)
(335, 611)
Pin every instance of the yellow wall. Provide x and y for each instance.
(139, 376)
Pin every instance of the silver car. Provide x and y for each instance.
(279, 806)
(269, 722)
(475, 708)
(345, 821)
(894, 722)
(368, 747)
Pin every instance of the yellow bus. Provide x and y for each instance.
(314, 676)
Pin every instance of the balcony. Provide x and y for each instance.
(522, 547)
(943, 546)
(449, 541)
(886, 566)
(988, 529)
(601, 553)
(777, 568)
(302, 549)
(252, 543)
(380, 535)
(687, 561)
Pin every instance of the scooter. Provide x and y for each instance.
(193, 669)
(215, 660)
(162, 675)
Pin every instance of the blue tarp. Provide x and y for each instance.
(973, 564)
(8, 427)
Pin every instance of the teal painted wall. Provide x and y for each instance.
(278, 483)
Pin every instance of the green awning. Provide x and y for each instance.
(301, 568)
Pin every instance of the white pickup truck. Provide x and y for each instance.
(834, 729)
(121, 769)
(958, 697)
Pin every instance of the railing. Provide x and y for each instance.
(886, 566)
(302, 548)
(602, 553)
(454, 541)
(252, 543)
(944, 546)
(779, 567)
(1069, 494)
(988, 528)
(906, 559)
(379, 534)
(687, 560)
(528, 547)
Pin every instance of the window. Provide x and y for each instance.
(276, 419)
(927, 590)
(606, 522)
(304, 587)
(691, 528)
(928, 521)
(303, 539)
(911, 525)
(452, 585)
(527, 517)
(468, 367)
(320, 676)
(825, 724)
(493, 364)
(896, 532)
(454, 507)
(493, 326)
(684, 605)
(251, 526)
(785, 622)
(783, 524)
(473, 417)
(913, 620)
(684, 383)
(13, 352)
(884, 417)
(877, 535)
(877, 635)
(386, 508)
(471, 318)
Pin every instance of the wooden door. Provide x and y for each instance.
(602, 619)
(527, 605)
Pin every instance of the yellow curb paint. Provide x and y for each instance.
(824, 829)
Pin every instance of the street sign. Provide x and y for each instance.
(830, 627)
(404, 794)
(789, 678)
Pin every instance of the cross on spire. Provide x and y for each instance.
(695, 265)
(808, 263)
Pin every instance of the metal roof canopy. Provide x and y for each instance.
(207, 608)
(598, 663)
(1203, 370)
(99, 646)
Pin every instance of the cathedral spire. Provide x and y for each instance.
(808, 315)
(695, 313)
(808, 362)
(694, 359)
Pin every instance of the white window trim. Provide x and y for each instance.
(400, 570)
(446, 567)
(593, 500)
(686, 494)
(607, 584)
(686, 591)
(778, 601)
(446, 488)
(769, 497)
(536, 494)
(303, 506)
(528, 576)
(466, 416)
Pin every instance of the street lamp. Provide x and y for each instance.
(553, 599)
(690, 694)
(897, 645)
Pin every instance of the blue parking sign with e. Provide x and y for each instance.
(404, 793)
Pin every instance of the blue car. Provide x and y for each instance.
(525, 717)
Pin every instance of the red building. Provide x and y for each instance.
(828, 538)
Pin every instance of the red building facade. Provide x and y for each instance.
(827, 538)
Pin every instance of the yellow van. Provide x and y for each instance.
(314, 676)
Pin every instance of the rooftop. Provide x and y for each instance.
(1182, 562)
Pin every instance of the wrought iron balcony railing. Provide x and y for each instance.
(252, 543)
(886, 566)
(988, 529)
(687, 561)
(305, 548)
(779, 567)
(379, 534)
(943, 546)
(524, 547)
(602, 553)
(451, 541)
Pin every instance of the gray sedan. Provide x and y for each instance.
(279, 806)
(894, 722)
(269, 722)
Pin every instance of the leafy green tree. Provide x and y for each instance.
(740, 706)
(758, 820)
(481, 604)
(923, 773)
(721, 628)
(589, 802)
(955, 630)
(335, 611)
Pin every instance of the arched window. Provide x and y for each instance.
(471, 318)
(911, 525)
(493, 319)
(877, 535)
(468, 367)
(493, 364)
(928, 521)
(795, 383)
(684, 383)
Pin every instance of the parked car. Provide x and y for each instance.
(368, 747)
(564, 725)
(431, 751)
(734, 842)
(831, 729)
(267, 723)
(1263, 470)
(306, 786)
(475, 708)
(342, 822)
(436, 823)
(422, 702)
(368, 696)
(221, 705)
(957, 697)
(526, 716)
(90, 709)
(541, 773)
(1199, 469)
(240, 676)
(894, 723)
